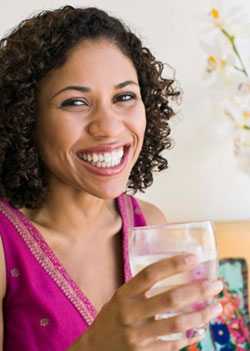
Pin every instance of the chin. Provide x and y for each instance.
(107, 192)
(108, 195)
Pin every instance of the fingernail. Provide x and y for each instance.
(191, 260)
(199, 272)
(214, 287)
(198, 306)
(192, 333)
(216, 310)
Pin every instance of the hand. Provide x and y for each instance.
(127, 323)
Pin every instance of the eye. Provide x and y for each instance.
(126, 97)
(74, 103)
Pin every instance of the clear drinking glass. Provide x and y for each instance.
(153, 243)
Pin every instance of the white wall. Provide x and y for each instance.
(203, 180)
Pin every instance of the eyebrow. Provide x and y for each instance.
(85, 89)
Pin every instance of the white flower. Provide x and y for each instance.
(221, 15)
(219, 62)
(224, 65)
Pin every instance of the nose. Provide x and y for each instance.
(105, 124)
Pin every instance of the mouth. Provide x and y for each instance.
(105, 160)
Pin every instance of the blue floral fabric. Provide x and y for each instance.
(231, 330)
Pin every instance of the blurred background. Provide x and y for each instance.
(204, 180)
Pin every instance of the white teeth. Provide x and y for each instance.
(107, 157)
(95, 157)
(104, 160)
(101, 157)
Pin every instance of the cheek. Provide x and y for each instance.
(57, 136)
(141, 129)
(138, 126)
(138, 123)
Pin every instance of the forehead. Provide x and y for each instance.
(95, 63)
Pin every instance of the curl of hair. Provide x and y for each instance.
(42, 43)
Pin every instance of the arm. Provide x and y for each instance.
(2, 291)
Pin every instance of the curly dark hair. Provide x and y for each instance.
(42, 43)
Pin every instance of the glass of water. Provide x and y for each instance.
(153, 243)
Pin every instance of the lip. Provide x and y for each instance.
(106, 172)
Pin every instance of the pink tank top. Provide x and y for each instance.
(44, 309)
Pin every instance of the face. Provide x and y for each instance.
(91, 120)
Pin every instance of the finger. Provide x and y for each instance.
(151, 274)
(183, 296)
(174, 300)
(179, 324)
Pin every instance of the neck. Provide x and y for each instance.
(69, 211)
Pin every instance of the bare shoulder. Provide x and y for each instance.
(152, 213)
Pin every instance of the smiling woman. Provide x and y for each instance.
(41, 46)
(84, 116)
(91, 134)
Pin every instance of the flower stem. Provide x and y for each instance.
(231, 38)
(239, 69)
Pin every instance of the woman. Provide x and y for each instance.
(84, 116)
